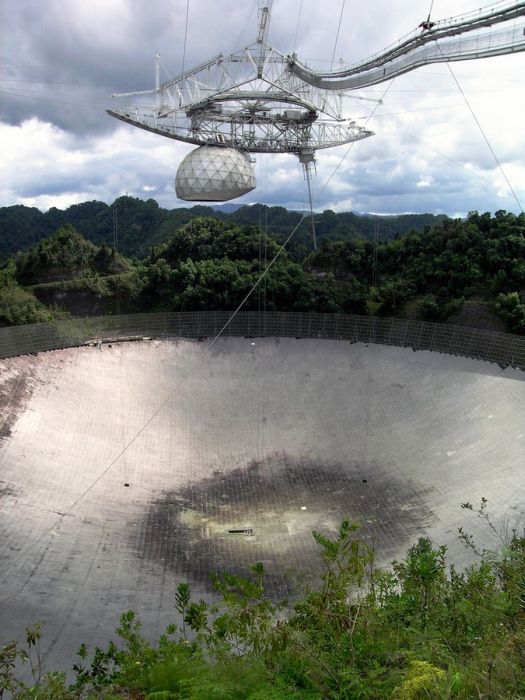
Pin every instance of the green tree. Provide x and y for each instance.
(512, 311)
(19, 306)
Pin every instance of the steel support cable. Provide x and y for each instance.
(185, 39)
(372, 115)
(68, 512)
(259, 385)
(337, 33)
(263, 396)
(259, 320)
(57, 523)
(261, 314)
(366, 416)
(260, 253)
(509, 193)
(430, 11)
(413, 52)
(36, 81)
(297, 26)
(308, 178)
(258, 281)
(238, 38)
(351, 145)
(484, 136)
(374, 258)
(366, 413)
(265, 289)
(263, 233)
(456, 162)
(368, 361)
(50, 99)
(115, 249)
(384, 115)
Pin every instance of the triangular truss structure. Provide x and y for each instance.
(249, 100)
(259, 100)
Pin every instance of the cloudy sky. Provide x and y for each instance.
(62, 59)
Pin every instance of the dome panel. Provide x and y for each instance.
(214, 174)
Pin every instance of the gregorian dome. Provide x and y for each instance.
(261, 100)
(214, 174)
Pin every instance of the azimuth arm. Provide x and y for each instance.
(441, 42)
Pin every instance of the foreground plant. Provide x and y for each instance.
(417, 630)
(45, 686)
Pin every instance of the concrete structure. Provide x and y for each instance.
(124, 467)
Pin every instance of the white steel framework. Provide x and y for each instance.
(259, 100)
(431, 42)
(249, 100)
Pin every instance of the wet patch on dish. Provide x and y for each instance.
(266, 512)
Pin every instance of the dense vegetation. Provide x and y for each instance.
(142, 224)
(482, 256)
(469, 271)
(419, 629)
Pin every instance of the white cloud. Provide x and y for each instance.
(425, 181)
(428, 153)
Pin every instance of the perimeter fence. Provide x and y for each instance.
(503, 348)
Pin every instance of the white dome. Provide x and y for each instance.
(214, 174)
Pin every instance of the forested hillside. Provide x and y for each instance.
(480, 258)
(470, 272)
(140, 224)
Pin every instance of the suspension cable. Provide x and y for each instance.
(115, 252)
(257, 282)
(430, 11)
(244, 27)
(185, 39)
(172, 392)
(351, 145)
(368, 359)
(498, 163)
(297, 27)
(337, 33)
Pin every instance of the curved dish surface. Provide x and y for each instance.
(127, 468)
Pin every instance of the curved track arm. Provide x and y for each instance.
(441, 42)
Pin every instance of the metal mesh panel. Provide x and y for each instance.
(503, 348)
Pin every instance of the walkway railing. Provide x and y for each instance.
(503, 348)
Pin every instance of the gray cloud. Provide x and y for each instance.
(63, 59)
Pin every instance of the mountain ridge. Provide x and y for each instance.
(136, 225)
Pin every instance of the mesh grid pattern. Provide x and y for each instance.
(503, 348)
(214, 174)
